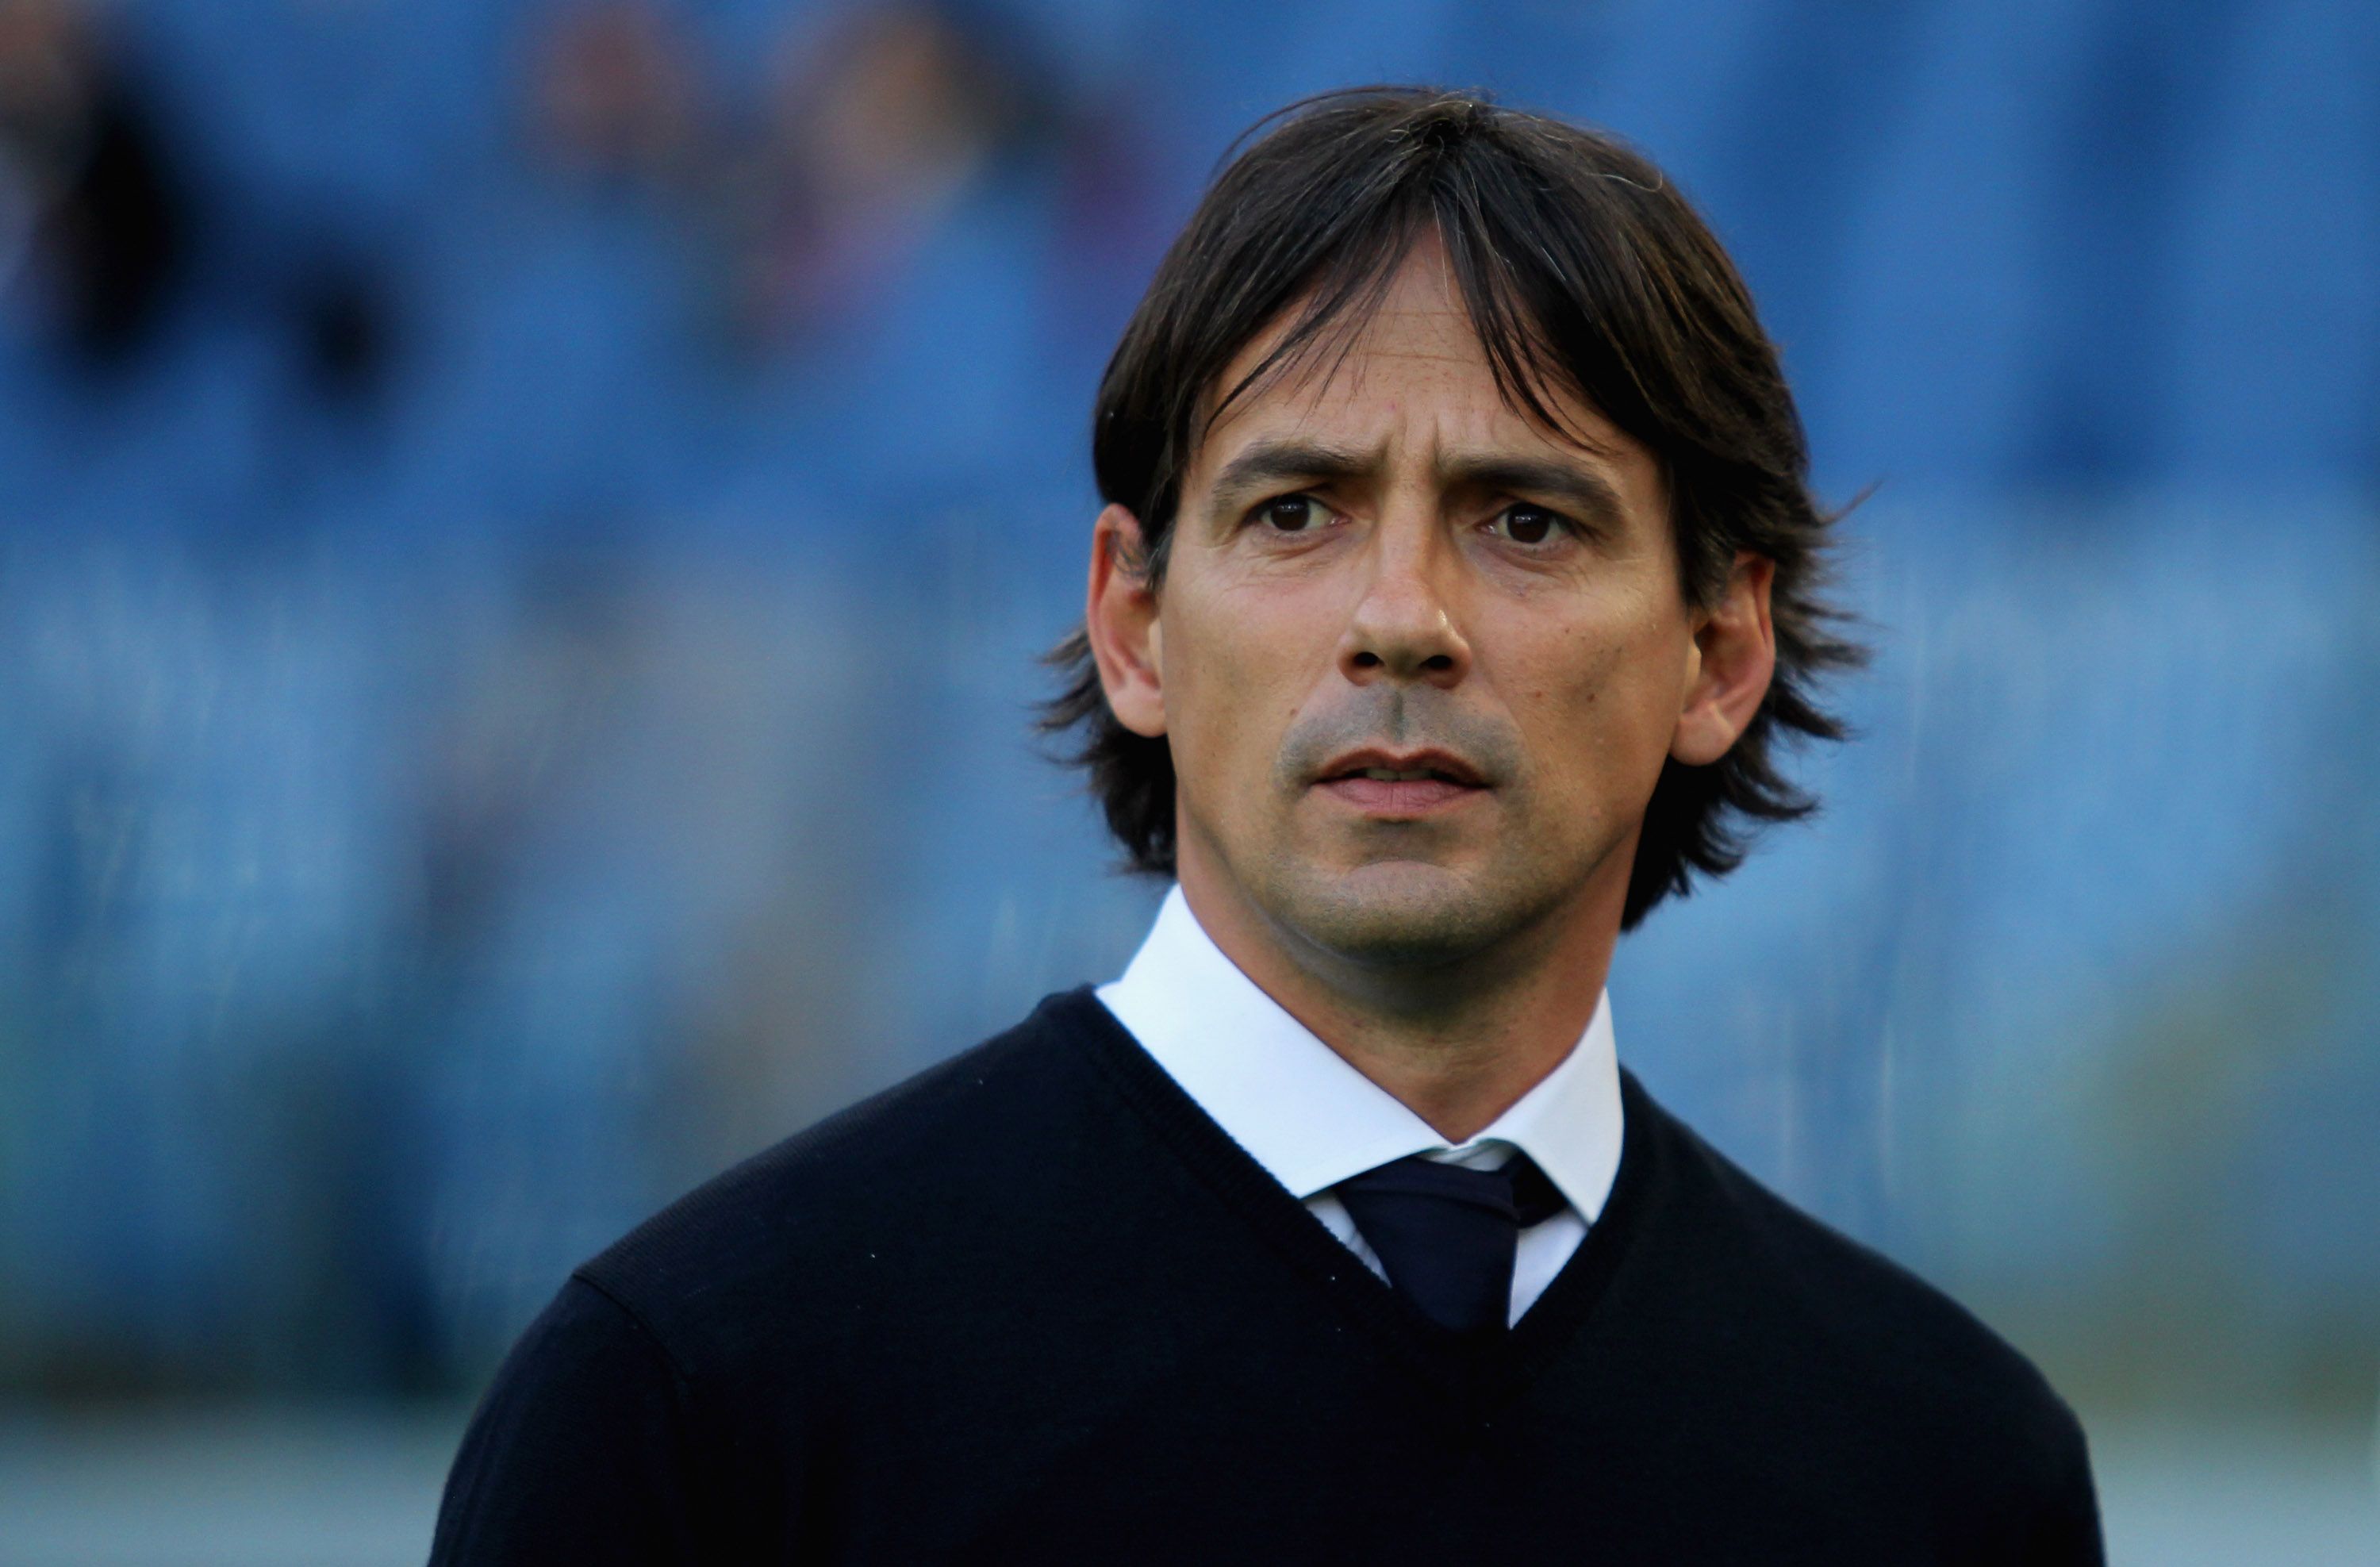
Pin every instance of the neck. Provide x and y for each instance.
(1456, 1042)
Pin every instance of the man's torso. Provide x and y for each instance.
(1036, 1301)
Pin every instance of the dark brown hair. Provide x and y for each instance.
(1583, 269)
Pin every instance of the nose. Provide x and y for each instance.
(1403, 627)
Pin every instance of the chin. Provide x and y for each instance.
(1395, 914)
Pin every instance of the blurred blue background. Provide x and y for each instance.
(525, 530)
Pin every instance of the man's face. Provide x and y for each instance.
(1419, 659)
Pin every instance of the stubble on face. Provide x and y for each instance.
(1397, 895)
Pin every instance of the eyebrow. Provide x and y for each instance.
(1572, 487)
(1269, 463)
(1266, 463)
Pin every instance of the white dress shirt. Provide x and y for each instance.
(1312, 1120)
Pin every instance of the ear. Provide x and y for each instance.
(1121, 619)
(1734, 659)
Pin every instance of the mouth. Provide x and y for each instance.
(1402, 786)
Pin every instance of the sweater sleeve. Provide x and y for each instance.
(577, 1453)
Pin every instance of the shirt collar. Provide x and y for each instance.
(1299, 1108)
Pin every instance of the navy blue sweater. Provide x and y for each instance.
(1033, 1305)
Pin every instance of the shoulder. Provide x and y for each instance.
(1846, 1323)
(788, 1230)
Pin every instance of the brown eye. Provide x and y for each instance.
(1527, 525)
(1292, 514)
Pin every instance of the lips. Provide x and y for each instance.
(1416, 766)
(1400, 784)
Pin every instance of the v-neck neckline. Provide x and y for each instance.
(1486, 1372)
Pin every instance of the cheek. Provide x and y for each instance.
(1231, 690)
(1604, 710)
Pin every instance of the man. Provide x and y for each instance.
(1455, 580)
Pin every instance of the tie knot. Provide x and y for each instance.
(1517, 1189)
(1446, 1235)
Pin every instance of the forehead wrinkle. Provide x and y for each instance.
(1481, 431)
(1365, 359)
(1341, 343)
(1350, 341)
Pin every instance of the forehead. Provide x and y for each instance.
(1412, 366)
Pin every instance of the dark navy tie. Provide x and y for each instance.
(1446, 1235)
